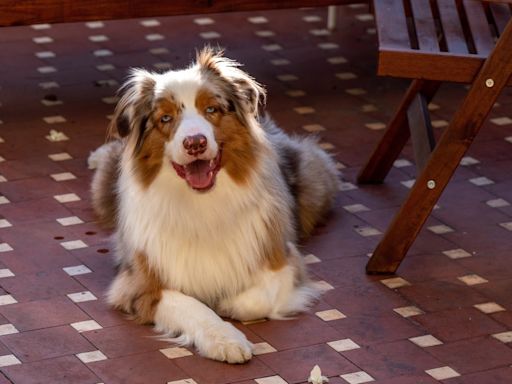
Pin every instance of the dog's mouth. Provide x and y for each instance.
(200, 174)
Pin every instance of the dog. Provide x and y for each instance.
(207, 202)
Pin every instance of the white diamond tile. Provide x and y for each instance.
(175, 352)
(440, 229)
(4, 247)
(375, 126)
(87, 325)
(330, 315)
(40, 27)
(287, 77)
(337, 60)
(468, 160)
(154, 37)
(77, 270)
(98, 38)
(357, 377)
(408, 311)
(73, 244)
(472, 279)
(102, 53)
(481, 181)
(509, 139)
(46, 69)
(163, 65)
(328, 46)
(262, 348)
(54, 119)
(67, 198)
(323, 286)
(295, 93)
(60, 156)
(490, 307)
(343, 345)
(64, 176)
(7, 329)
(6, 272)
(497, 203)
(7, 299)
(49, 84)
(507, 226)
(442, 373)
(395, 282)
(71, 220)
(271, 380)
(369, 108)
(313, 128)
(320, 32)
(271, 47)
(504, 337)
(5, 223)
(354, 208)
(2, 179)
(183, 381)
(305, 110)
(95, 24)
(502, 120)
(326, 146)
(312, 18)
(311, 259)
(458, 253)
(7, 360)
(425, 341)
(105, 67)
(150, 23)
(364, 17)
(42, 40)
(257, 20)
(264, 33)
(439, 123)
(346, 75)
(368, 231)
(355, 91)
(401, 163)
(346, 186)
(210, 35)
(80, 297)
(89, 357)
(159, 51)
(204, 21)
(45, 54)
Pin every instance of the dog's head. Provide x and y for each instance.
(198, 121)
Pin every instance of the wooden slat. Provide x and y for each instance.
(479, 26)
(391, 24)
(452, 146)
(396, 135)
(452, 27)
(501, 15)
(425, 26)
(23, 12)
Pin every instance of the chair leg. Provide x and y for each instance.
(445, 158)
(396, 135)
(422, 135)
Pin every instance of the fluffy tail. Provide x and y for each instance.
(310, 173)
(105, 161)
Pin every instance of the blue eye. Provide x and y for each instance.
(211, 110)
(166, 118)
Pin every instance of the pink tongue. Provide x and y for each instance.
(199, 175)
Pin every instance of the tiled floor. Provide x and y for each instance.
(447, 317)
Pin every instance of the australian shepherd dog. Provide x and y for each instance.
(207, 201)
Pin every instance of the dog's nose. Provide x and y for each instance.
(195, 145)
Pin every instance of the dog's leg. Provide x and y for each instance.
(199, 325)
(138, 291)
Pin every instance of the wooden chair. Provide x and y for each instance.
(433, 41)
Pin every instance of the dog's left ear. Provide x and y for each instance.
(243, 91)
(134, 106)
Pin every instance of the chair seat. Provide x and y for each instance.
(440, 40)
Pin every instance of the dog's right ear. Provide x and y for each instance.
(135, 104)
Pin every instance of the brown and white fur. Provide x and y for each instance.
(207, 202)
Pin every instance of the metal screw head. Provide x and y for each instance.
(431, 184)
(489, 83)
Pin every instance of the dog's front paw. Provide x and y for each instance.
(223, 342)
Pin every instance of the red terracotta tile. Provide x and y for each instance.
(294, 365)
(437, 295)
(125, 340)
(46, 343)
(152, 367)
(304, 330)
(61, 370)
(99, 311)
(499, 375)
(43, 313)
(458, 324)
(473, 355)
(393, 360)
(212, 372)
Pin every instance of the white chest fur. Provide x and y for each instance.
(207, 245)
